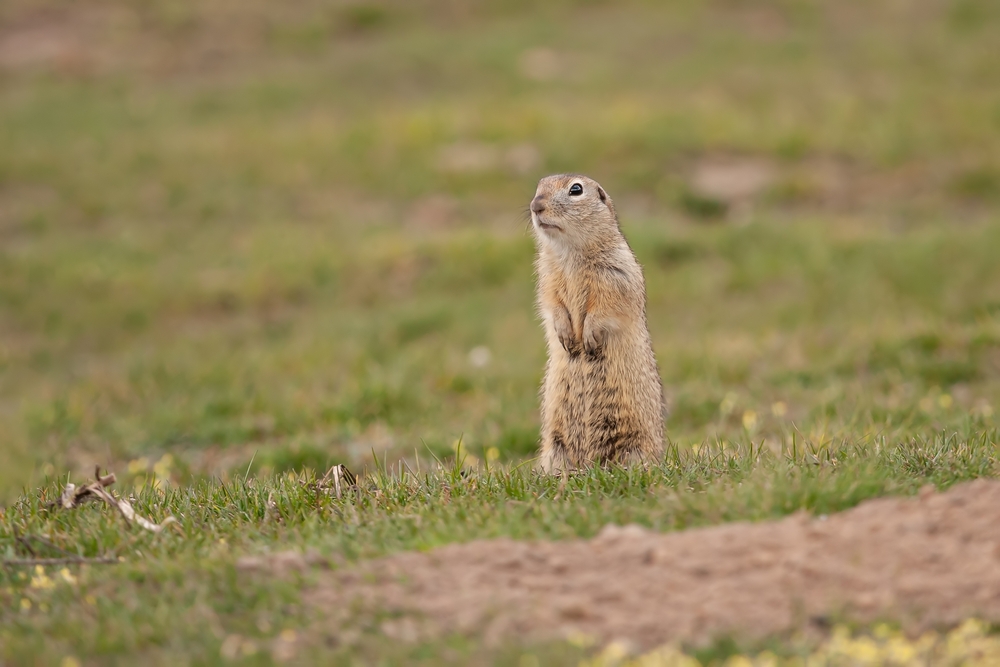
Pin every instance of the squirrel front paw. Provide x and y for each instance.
(564, 332)
(594, 337)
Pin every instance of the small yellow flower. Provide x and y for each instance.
(41, 580)
(779, 409)
(749, 419)
(864, 650)
(162, 467)
(462, 453)
(767, 659)
(580, 640)
(162, 470)
(25, 604)
(899, 651)
(728, 404)
(613, 653)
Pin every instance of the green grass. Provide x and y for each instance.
(238, 240)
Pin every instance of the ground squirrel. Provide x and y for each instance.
(602, 398)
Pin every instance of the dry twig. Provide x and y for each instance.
(337, 480)
(58, 561)
(73, 496)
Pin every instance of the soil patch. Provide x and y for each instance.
(923, 561)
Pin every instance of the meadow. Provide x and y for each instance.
(241, 243)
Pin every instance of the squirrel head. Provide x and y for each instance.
(572, 211)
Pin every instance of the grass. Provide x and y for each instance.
(180, 594)
(237, 243)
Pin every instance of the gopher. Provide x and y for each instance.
(602, 398)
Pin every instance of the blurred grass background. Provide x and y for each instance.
(285, 235)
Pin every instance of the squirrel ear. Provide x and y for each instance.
(602, 194)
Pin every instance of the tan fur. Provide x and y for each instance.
(602, 398)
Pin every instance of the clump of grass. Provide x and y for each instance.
(702, 207)
(982, 184)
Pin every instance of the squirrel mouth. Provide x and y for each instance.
(546, 225)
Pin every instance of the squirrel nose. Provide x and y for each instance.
(538, 204)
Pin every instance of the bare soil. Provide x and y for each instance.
(930, 560)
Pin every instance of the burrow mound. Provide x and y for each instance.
(923, 561)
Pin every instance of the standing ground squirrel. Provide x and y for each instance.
(602, 398)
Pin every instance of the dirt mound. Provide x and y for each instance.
(934, 559)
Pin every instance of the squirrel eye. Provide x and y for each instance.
(575, 190)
